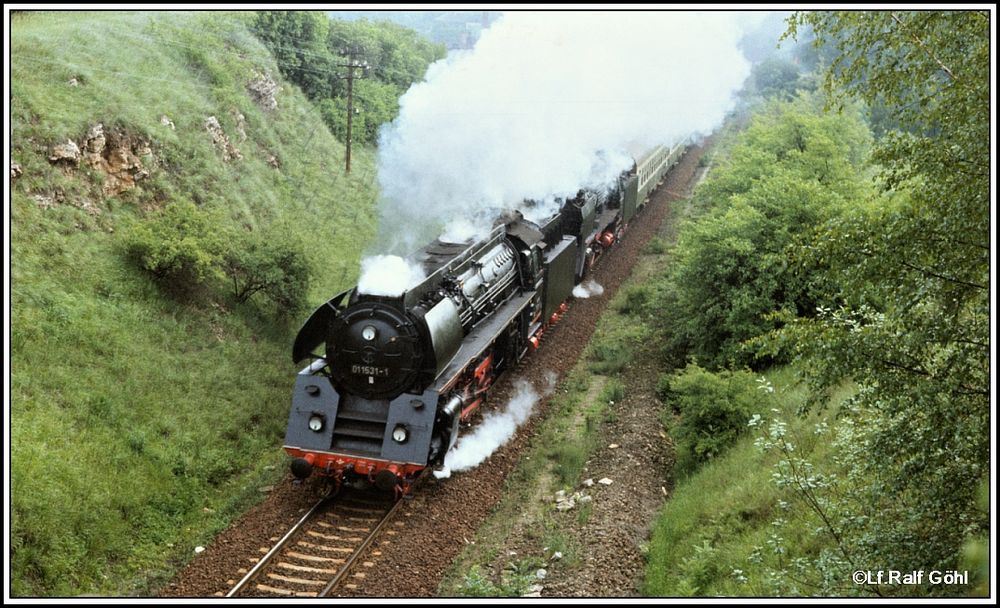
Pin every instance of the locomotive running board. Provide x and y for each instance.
(481, 337)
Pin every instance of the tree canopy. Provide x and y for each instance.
(793, 168)
(909, 321)
(310, 48)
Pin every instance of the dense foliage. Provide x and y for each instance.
(271, 262)
(776, 78)
(793, 168)
(872, 277)
(910, 320)
(179, 246)
(712, 411)
(189, 249)
(312, 49)
(297, 40)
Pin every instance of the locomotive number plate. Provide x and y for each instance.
(370, 370)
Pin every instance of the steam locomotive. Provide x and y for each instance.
(383, 401)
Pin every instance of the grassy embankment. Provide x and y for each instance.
(716, 533)
(141, 423)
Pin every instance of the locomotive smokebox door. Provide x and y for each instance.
(374, 351)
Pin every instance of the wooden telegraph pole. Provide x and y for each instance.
(356, 67)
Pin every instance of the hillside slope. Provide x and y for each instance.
(141, 421)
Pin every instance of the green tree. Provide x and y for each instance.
(398, 55)
(910, 323)
(271, 262)
(297, 39)
(792, 169)
(309, 47)
(776, 78)
(375, 103)
(179, 245)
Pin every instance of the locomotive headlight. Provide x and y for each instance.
(400, 434)
(316, 423)
(368, 333)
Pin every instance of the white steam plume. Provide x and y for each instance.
(495, 429)
(587, 289)
(547, 103)
(388, 275)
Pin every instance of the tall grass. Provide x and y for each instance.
(709, 538)
(140, 423)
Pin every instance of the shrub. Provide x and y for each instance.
(613, 346)
(637, 298)
(656, 245)
(184, 246)
(269, 262)
(713, 410)
(613, 391)
(734, 265)
(515, 580)
(181, 245)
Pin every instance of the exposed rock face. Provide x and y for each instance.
(44, 201)
(118, 156)
(263, 90)
(15, 169)
(229, 151)
(241, 126)
(67, 154)
(95, 141)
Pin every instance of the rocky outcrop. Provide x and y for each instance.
(221, 141)
(116, 155)
(263, 90)
(15, 169)
(65, 154)
(241, 126)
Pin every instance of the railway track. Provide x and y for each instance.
(318, 554)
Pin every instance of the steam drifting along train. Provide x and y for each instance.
(398, 375)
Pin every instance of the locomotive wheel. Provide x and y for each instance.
(330, 488)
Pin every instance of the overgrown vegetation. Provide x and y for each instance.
(712, 411)
(148, 400)
(188, 250)
(870, 272)
(515, 580)
(792, 168)
(729, 529)
(309, 48)
(910, 323)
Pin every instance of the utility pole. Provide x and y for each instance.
(354, 62)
